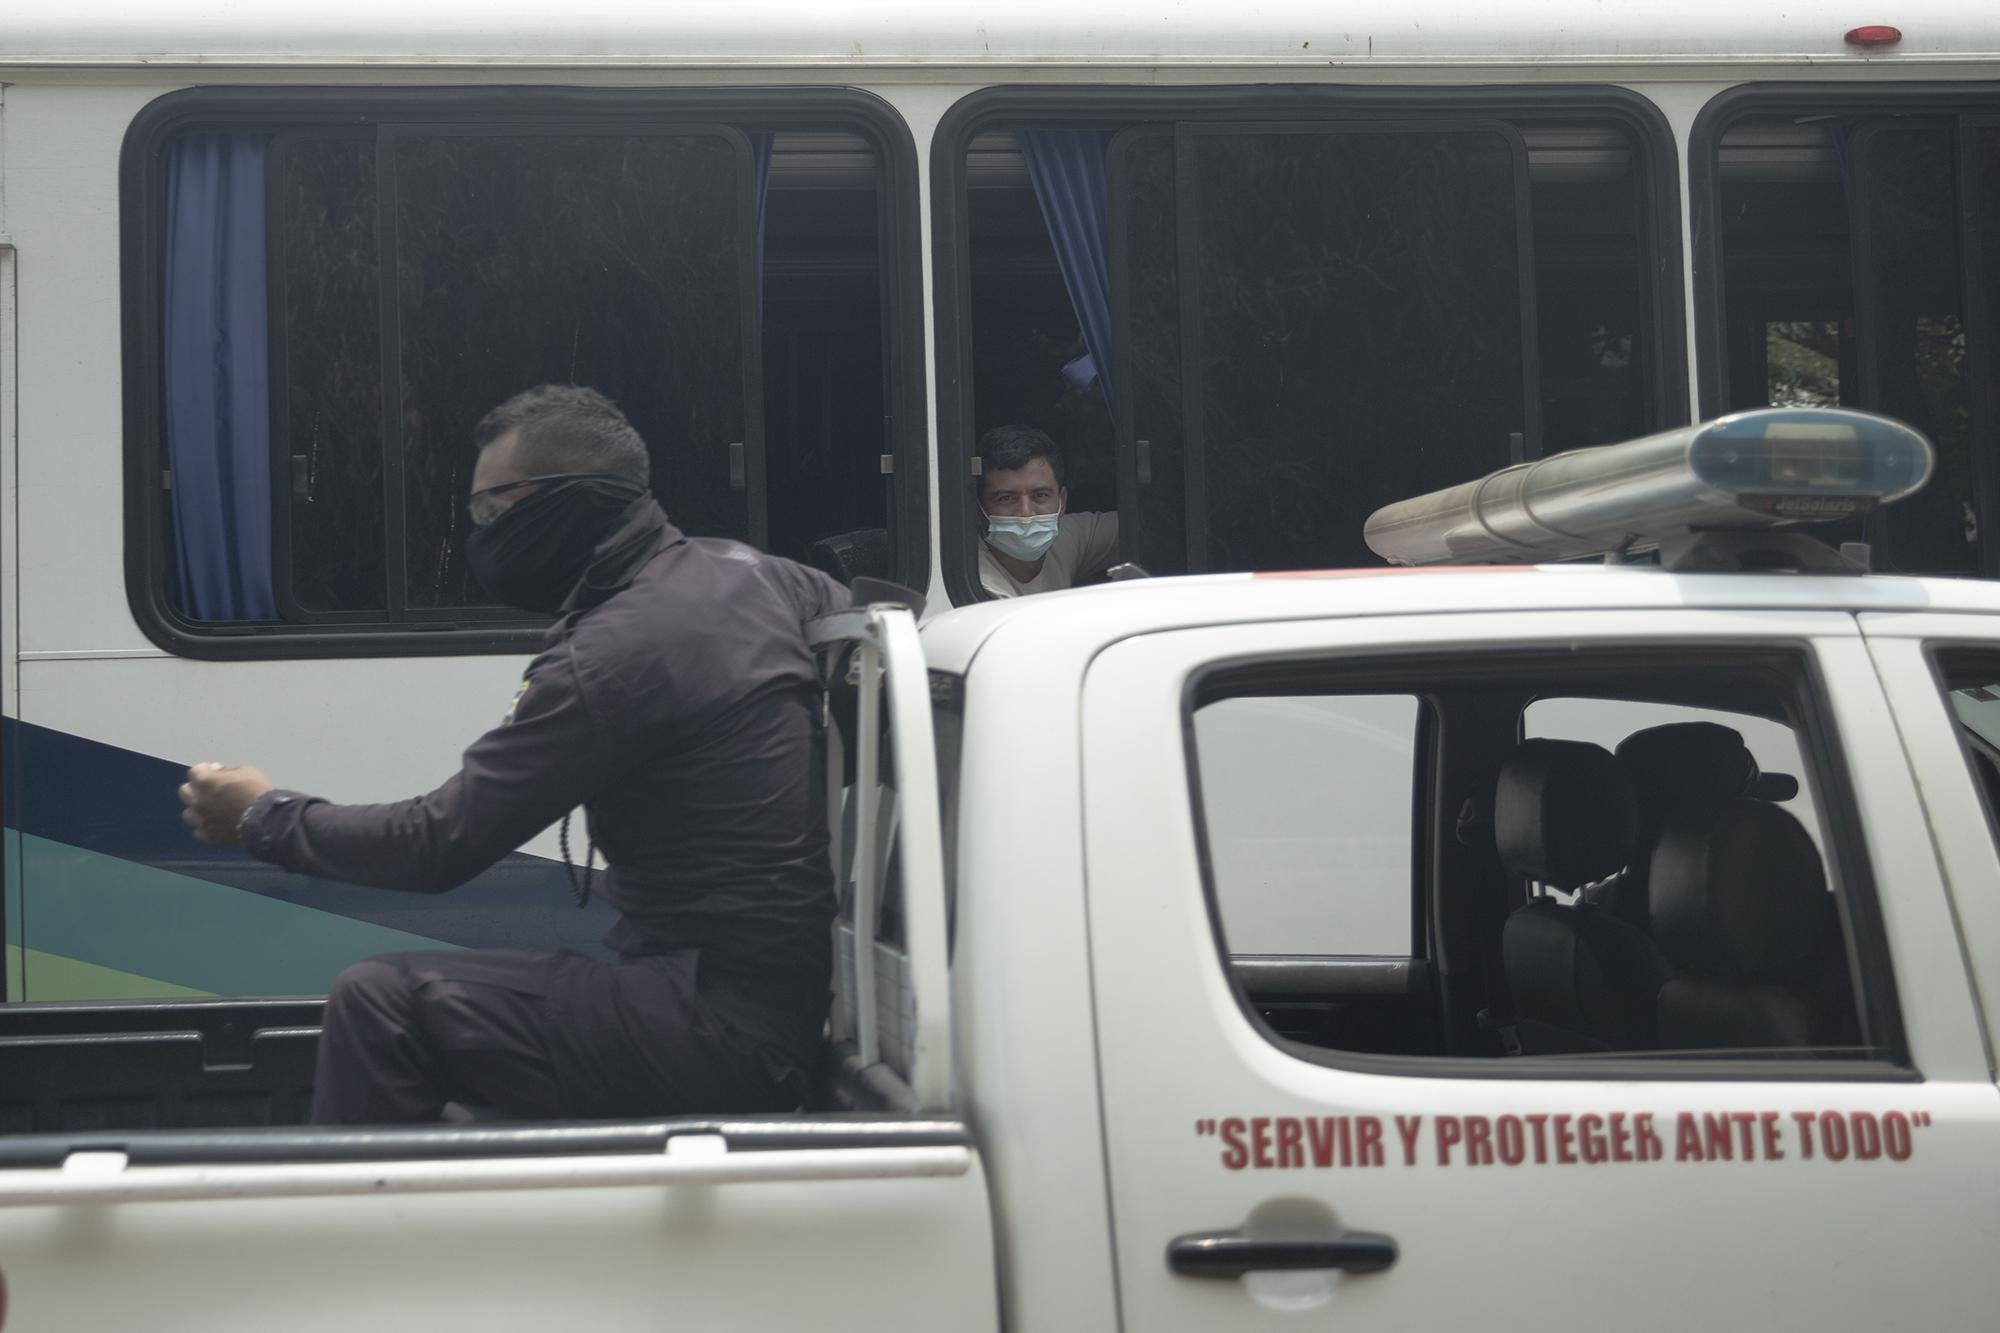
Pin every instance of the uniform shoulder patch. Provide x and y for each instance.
(514, 704)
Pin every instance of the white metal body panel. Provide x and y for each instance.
(1021, 996)
(1957, 822)
(952, 641)
(1036, 33)
(62, 204)
(730, 1251)
(1665, 1244)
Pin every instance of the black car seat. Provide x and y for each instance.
(1740, 908)
(1579, 978)
(1674, 768)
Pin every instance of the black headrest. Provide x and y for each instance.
(1737, 890)
(1563, 813)
(862, 553)
(1684, 762)
(1687, 760)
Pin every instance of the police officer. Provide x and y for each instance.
(675, 699)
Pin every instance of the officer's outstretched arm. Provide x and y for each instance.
(516, 780)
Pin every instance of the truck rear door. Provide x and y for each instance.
(1790, 1125)
(614, 1227)
(1942, 675)
(871, 1217)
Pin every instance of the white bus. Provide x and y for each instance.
(1258, 269)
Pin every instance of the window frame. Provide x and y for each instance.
(1794, 668)
(456, 631)
(1657, 176)
(1972, 106)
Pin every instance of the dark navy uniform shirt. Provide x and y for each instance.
(681, 711)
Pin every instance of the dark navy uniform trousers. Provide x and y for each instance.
(537, 1036)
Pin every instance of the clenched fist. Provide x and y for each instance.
(216, 797)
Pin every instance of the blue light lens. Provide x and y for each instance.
(1812, 452)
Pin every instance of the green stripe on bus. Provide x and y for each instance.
(151, 923)
(10, 873)
(53, 977)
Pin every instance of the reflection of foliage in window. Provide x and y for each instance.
(1610, 351)
(1361, 341)
(1939, 354)
(1804, 361)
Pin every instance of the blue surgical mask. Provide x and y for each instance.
(1024, 538)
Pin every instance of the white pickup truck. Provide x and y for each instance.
(1561, 947)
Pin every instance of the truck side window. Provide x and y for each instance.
(1644, 855)
(1308, 807)
(1973, 680)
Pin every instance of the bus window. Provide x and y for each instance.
(1272, 324)
(517, 259)
(1850, 237)
(340, 303)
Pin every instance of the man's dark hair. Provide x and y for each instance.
(567, 428)
(1011, 448)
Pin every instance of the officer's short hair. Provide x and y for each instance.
(567, 428)
(1011, 448)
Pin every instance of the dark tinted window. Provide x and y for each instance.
(329, 371)
(621, 262)
(1912, 326)
(339, 306)
(1312, 318)
(1145, 216)
(1594, 297)
(618, 262)
(1984, 297)
(1360, 330)
(1847, 279)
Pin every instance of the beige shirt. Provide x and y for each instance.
(1085, 544)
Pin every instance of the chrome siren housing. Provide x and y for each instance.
(1761, 469)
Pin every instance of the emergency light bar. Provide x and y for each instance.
(1762, 469)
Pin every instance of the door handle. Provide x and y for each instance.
(738, 469)
(1230, 1254)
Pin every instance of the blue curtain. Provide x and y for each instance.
(218, 383)
(1067, 170)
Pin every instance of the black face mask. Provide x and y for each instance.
(533, 555)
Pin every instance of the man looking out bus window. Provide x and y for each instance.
(677, 702)
(1031, 542)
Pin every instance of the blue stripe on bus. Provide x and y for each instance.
(151, 923)
(120, 804)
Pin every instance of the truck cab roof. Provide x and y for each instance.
(1113, 611)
